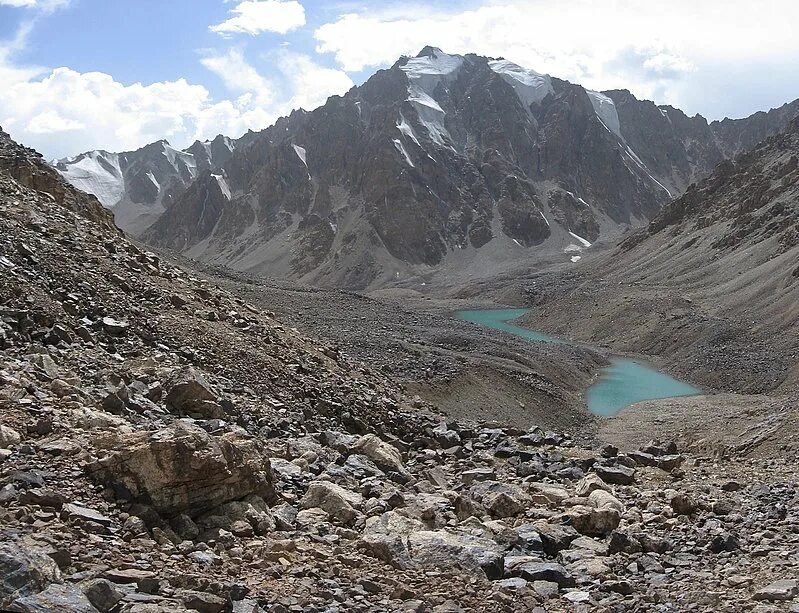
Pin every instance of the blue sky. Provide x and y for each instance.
(117, 74)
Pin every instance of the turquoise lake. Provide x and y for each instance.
(621, 384)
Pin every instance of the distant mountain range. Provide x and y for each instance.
(442, 164)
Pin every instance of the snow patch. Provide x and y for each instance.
(529, 85)
(576, 258)
(300, 151)
(632, 155)
(424, 75)
(401, 148)
(582, 241)
(97, 173)
(605, 109)
(404, 127)
(223, 186)
(544, 217)
(154, 180)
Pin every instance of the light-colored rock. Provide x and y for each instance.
(341, 504)
(384, 455)
(605, 500)
(9, 437)
(183, 469)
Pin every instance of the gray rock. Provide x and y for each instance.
(617, 475)
(24, 571)
(102, 594)
(56, 597)
(784, 589)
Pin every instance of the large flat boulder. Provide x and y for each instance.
(183, 469)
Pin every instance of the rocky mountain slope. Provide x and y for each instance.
(140, 185)
(448, 165)
(165, 446)
(712, 284)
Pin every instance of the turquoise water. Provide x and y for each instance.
(621, 384)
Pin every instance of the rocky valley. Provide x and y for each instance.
(238, 378)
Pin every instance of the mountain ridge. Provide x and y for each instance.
(444, 164)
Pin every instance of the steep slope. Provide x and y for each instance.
(140, 185)
(712, 285)
(165, 447)
(443, 164)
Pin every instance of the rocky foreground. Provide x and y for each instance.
(165, 447)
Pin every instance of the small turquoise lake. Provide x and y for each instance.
(621, 384)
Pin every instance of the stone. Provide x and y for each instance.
(24, 571)
(183, 469)
(203, 602)
(443, 549)
(602, 499)
(386, 456)
(55, 597)
(102, 594)
(42, 497)
(478, 474)
(617, 475)
(542, 571)
(339, 503)
(9, 437)
(188, 392)
(782, 590)
(115, 327)
(547, 494)
(500, 499)
(590, 483)
(79, 513)
(682, 504)
(555, 537)
(593, 522)
(621, 542)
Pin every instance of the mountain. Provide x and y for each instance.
(140, 185)
(710, 285)
(445, 164)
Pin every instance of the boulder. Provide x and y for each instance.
(9, 437)
(252, 511)
(405, 543)
(501, 499)
(24, 571)
(617, 475)
(591, 483)
(339, 503)
(605, 500)
(535, 570)
(784, 589)
(56, 597)
(188, 392)
(102, 594)
(593, 522)
(547, 494)
(386, 456)
(183, 469)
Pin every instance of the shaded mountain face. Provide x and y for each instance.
(711, 284)
(140, 185)
(444, 164)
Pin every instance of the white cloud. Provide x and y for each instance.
(43, 5)
(311, 84)
(238, 76)
(63, 112)
(255, 16)
(580, 40)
